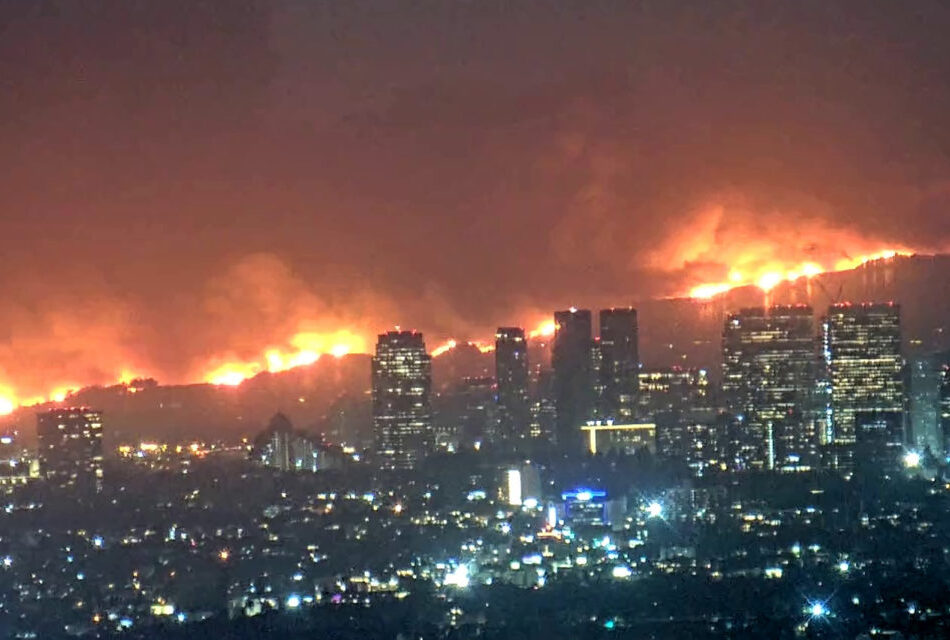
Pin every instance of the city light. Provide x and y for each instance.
(621, 572)
(654, 509)
(817, 609)
(458, 577)
(293, 601)
(911, 459)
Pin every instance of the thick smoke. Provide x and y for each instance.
(188, 189)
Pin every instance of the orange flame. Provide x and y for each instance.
(307, 348)
(767, 278)
(544, 330)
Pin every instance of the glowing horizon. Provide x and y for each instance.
(770, 276)
(306, 348)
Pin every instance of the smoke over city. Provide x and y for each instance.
(289, 182)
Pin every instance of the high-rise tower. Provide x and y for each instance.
(402, 413)
(769, 368)
(619, 364)
(862, 350)
(511, 376)
(573, 376)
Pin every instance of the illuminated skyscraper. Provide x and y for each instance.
(769, 366)
(573, 376)
(402, 414)
(677, 401)
(511, 375)
(70, 447)
(862, 350)
(619, 364)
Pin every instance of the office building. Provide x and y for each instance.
(522, 485)
(283, 448)
(627, 439)
(17, 466)
(477, 421)
(924, 373)
(769, 373)
(70, 447)
(573, 376)
(862, 349)
(402, 414)
(619, 364)
(511, 375)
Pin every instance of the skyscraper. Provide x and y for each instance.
(619, 364)
(573, 376)
(769, 364)
(70, 447)
(511, 376)
(862, 349)
(944, 373)
(924, 403)
(478, 419)
(402, 414)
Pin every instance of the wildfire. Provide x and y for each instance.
(768, 277)
(544, 330)
(450, 344)
(307, 348)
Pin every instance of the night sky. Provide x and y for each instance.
(183, 182)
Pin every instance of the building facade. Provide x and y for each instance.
(769, 379)
(573, 388)
(619, 364)
(862, 350)
(402, 386)
(511, 376)
(70, 447)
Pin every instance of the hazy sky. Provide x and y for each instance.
(183, 180)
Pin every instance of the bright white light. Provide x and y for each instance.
(818, 610)
(584, 496)
(514, 487)
(654, 509)
(621, 572)
(293, 601)
(911, 459)
(843, 566)
(458, 577)
(7, 561)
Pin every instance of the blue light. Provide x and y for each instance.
(583, 495)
